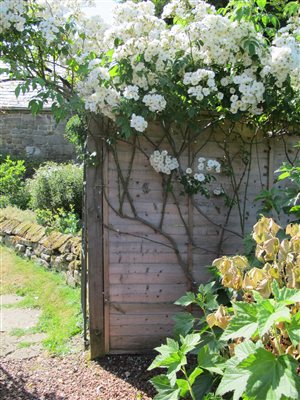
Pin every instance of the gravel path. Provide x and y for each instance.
(29, 373)
(75, 378)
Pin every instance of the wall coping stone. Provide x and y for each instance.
(55, 250)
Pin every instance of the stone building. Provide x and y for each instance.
(24, 135)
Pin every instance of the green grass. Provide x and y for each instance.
(25, 345)
(19, 332)
(59, 304)
(12, 212)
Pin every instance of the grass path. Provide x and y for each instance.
(59, 304)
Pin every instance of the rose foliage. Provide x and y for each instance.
(147, 68)
(250, 348)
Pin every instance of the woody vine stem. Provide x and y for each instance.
(186, 146)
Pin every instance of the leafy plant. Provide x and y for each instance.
(61, 220)
(55, 186)
(292, 194)
(287, 200)
(267, 16)
(250, 348)
(76, 131)
(12, 188)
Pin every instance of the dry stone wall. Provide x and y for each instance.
(38, 137)
(56, 251)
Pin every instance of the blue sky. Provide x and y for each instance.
(102, 8)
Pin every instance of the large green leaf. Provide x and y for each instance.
(211, 361)
(202, 385)
(244, 323)
(270, 377)
(186, 300)
(189, 342)
(194, 374)
(184, 387)
(285, 295)
(184, 323)
(160, 382)
(293, 329)
(235, 379)
(168, 394)
(173, 357)
(269, 313)
(261, 3)
(165, 391)
(183, 383)
(206, 297)
(165, 350)
(261, 375)
(244, 349)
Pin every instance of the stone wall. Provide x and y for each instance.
(39, 137)
(56, 251)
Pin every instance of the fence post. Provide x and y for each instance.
(94, 220)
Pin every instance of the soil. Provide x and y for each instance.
(30, 373)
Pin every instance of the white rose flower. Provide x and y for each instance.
(199, 177)
(131, 92)
(138, 123)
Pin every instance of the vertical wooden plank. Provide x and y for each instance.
(94, 215)
(191, 285)
(84, 260)
(270, 165)
(106, 253)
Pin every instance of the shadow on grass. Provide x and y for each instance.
(12, 388)
(132, 369)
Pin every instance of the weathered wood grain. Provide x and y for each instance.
(94, 215)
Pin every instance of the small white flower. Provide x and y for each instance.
(199, 177)
(188, 171)
(218, 191)
(201, 166)
(162, 162)
(131, 92)
(224, 81)
(138, 123)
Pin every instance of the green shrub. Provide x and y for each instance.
(55, 186)
(249, 349)
(61, 221)
(75, 132)
(285, 199)
(12, 187)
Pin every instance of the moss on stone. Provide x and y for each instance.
(66, 247)
(3, 224)
(22, 228)
(9, 226)
(75, 265)
(55, 240)
(35, 233)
